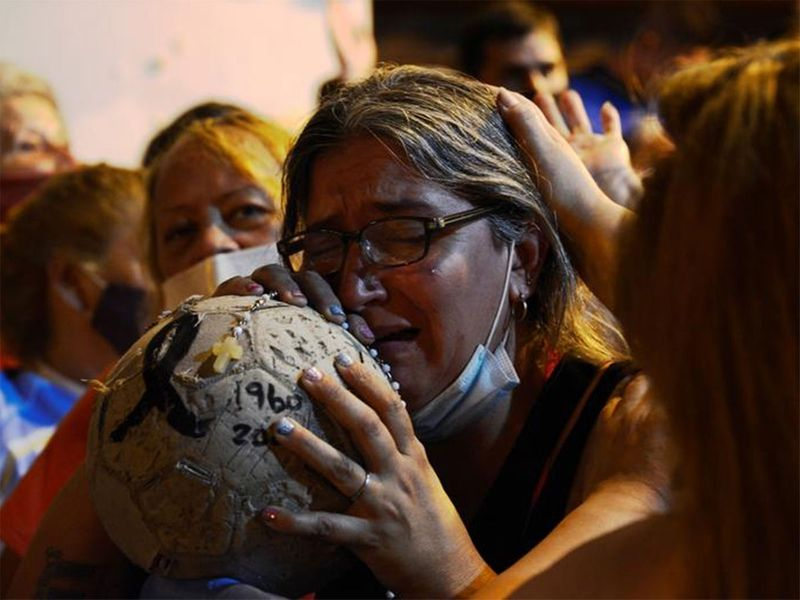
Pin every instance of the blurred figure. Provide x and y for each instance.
(517, 46)
(33, 139)
(215, 190)
(74, 299)
(213, 193)
(707, 290)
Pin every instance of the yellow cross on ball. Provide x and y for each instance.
(225, 351)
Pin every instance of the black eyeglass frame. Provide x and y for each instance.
(289, 246)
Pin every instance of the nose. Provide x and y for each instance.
(359, 281)
(536, 82)
(214, 240)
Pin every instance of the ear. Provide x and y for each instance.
(69, 282)
(529, 255)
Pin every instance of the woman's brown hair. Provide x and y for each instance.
(709, 298)
(75, 214)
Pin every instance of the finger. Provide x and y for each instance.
(359, 328)
(345, 530)
(239, 286)
(375, 390)
(320, 295)
(535, 135)
(340, 470)
(548, 105)
(575, 112)
(612, 122)
(278, 279)
(369, 434)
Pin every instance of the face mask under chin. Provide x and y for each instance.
(488, 378)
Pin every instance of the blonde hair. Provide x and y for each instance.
(257, 155)
(18, 82)
(709, 298)
(448, 128)
(75, 214)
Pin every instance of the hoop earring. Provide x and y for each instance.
(520, 310)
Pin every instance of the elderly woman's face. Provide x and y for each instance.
(203, 205)
(429, 316)
(33, 140)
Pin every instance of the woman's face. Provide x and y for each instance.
(429, 316)
(34, 141)
(202, 205)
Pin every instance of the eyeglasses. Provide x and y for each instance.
(389, 242)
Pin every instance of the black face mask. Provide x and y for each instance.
(120, 315)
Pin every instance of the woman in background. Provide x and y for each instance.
(74, 299)
(707, 290)
(213, 189)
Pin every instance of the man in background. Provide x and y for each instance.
(517, 46)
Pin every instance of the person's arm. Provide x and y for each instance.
(71, 555)
(404, 527)
(592, 223)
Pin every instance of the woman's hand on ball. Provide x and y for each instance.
(401, 522)
(306, 288)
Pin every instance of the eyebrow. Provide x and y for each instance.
(405, 207)
(191, 206)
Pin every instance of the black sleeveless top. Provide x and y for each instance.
(529, 497)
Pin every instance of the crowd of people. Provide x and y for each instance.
(596, 372)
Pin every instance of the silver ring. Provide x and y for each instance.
(360, 491)
(271, 295)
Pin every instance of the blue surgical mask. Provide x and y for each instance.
(487, 379)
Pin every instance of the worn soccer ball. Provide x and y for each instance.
(180, 459)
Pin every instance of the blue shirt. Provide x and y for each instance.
(31, 407)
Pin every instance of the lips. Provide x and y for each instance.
(402, 335)
(390, 343)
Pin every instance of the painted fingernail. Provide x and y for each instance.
(255, 288)
(270, 513)
(284, 426)
(312, 374)
(344, 360)
(336, 310)
(365, 332)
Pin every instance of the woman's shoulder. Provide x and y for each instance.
(630, 448)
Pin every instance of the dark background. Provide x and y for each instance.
(426, 32)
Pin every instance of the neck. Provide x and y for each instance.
(484, 446)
